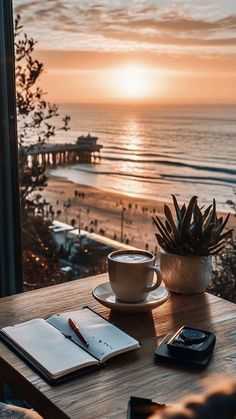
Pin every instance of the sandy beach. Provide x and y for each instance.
(101, 212)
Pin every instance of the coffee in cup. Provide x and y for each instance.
(131, 274)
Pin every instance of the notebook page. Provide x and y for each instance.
(105, 340)
(48, 348)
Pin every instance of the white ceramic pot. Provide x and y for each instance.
(186, 274)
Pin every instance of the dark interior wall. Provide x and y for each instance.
(10, 237)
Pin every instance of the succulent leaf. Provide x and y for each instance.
(216, 251)
(168, 226)
(214, 216)
(188, 214)
(208, 231)
(160, 240)
(166, 235)
(177, 209)
(195, 232)
(183, 211)
(206, 212)
(198, 221)
(225, 235)
(222, 225)
(171, 222)
(218, 237)
(210, 219)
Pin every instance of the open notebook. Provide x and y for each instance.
(57, 352)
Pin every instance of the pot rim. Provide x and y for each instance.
(191, 256)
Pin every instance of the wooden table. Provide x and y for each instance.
(105, 393)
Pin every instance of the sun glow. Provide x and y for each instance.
(132, 82)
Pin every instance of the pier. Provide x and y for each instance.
(85, 150)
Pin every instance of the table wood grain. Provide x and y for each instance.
(105, 393)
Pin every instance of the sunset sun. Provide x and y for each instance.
(132, 82)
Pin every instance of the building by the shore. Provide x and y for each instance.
(82, 253)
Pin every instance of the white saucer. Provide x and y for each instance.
(104, 294)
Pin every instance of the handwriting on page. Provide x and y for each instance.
(100, 342)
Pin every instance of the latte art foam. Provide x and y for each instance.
(131, 258)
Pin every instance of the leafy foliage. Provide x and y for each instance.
(40, 258)
(36, 126)
(194, 232)
(223, 282)
(35, 117)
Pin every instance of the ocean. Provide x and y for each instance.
(155, 151)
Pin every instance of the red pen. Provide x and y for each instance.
(75, 328)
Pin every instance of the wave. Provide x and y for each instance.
(148, 154)
(120, 151)
(198, 179)
(138, 153)
(163, 176)
(110, 173)
(175, 164)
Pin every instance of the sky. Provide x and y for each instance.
(163, 51)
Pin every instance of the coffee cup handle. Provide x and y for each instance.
(158, 281)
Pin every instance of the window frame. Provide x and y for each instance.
(11, 277)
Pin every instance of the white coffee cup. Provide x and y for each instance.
(131, 274)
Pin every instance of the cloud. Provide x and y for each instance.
(162, 39)
(178, 23)
(25, 8)
(122, 24)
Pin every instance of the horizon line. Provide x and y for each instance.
(145, 104)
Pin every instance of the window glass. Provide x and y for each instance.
(145, 107)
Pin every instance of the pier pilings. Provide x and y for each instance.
(57, 154)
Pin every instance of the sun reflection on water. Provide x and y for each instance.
(133, 140)
(133, 135)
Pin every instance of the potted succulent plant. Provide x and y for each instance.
(188, 243)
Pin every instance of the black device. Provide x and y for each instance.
(191, 342)
(141, 408)
(187, 345)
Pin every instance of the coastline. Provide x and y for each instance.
(101, 211)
